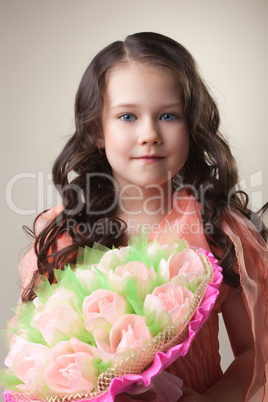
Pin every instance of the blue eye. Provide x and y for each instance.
(168, 117)
(127, 117)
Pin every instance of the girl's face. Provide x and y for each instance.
(145, 135)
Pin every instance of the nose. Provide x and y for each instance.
(149, 133)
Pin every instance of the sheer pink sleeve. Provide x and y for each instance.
(252, 256)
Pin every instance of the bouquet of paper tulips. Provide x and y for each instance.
(116, 318)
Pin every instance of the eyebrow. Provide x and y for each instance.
(131, 105)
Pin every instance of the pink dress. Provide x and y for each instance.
(200, 373)
(201, 368)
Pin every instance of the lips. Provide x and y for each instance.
(149, 158)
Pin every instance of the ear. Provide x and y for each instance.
(100, 143)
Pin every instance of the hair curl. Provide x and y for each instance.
(210, 164)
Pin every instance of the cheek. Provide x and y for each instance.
(118, 144)
(185, 146)
(114, 136)
(181, 145)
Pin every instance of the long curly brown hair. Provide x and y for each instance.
(210, 164)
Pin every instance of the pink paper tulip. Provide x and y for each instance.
(132, 270)
(135, 269)
(62, 321)
(112, 258)
(28, 361)
(60, 296)
(129, 332)
(71, 368)
(87, 278)
(105, 304)
(187, 264)
(169, 297)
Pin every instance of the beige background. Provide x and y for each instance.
(46, 46)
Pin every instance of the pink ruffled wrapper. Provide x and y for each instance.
(162, 360)
(10, 397)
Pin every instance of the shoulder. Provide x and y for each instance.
(244, 234)
(47, 217)
(28, 263)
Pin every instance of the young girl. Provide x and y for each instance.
(147, 151)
